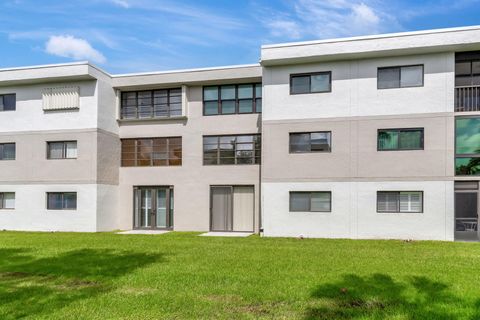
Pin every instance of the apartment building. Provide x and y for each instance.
(365, 137)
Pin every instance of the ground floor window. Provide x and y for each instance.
(61, 200)
(7, 200)
(399, 201)
(313, 201)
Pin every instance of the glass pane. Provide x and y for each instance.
(411, 76)
(463, 68)
(463, 81)
(320, 83)
(258, 90)
(320, 141)
(227, 93)
(54, 201)
(245, 91)
(410, 202)
(55, 150)
(387, 202)
(71, 149)
(9, 200)
(161, 208)
(228, 107)
(245, 106)
(467, 166)
(476, 67)
(411, 139)
(467, 135)
(9, 102)
(210, 107)
(2, 104)
(320, 201)
(70, 200)
(388, 78)
(8, 151)
(210, 93)
(300, 142)
(300, 84)
(299, 201)
(387, 140)
(258, 105)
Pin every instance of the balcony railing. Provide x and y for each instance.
(467, 98)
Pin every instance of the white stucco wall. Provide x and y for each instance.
(354, 213)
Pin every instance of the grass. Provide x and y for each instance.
(183, 276)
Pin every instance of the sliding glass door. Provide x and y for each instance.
(153, 208)
(466, 211)
(232, 208)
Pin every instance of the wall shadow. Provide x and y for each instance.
(380, 297)
(37, 286)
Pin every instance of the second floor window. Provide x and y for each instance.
(400, 77)
(400, 139)
(7, 200)
(311, 83)
(62, 150)
(163, 103)
(7, 151)
(152, 152)
(310, 142)
(232, 99)
(232, 149)
(7, 102)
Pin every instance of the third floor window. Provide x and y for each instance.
(7, 102)
(7, 151)
(232, 99)
(163, 103)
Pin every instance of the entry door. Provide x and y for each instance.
(153, 208)
(466, 211)
(232, 208)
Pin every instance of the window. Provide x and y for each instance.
(310, 142)
(311, 83)
(7, 102)
(313, 201)
(61, 200)
(62, 150)
(7, 151)
(399, 201)
(7, 200)
(400, 77)
(231, 149)
(467, 73)
(400, 139)
(147, 152)
(467, 146)
(163, 103)
(60, 98)
(232, 99)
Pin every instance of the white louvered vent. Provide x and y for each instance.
(59, 98)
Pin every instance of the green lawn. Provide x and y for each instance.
(183, 276)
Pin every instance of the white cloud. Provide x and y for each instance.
(121, 3)
(75, 48)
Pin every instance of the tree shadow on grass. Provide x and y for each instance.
(37, 286)
(380, 297)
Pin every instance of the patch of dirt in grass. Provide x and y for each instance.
(136, 291)
(224, 298)
(260, 309)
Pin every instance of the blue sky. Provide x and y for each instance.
(124, 36)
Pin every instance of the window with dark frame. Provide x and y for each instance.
(310, 201)
(151, 104)
(232, 149)
(399, 201)
(400, 77)
(7, 200)
(306, 142)
(232, 99)
(61, 200)
(8, 102)
(62, 150)
(316, 82)
(7, 151)
(148, 152)
(400, 139)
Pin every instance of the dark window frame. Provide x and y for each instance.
(218, 157)
(471, 75)
(310, 202)
(2, 200)
(15, 103)
(62, 193)
(308, 132)
(2, 146)
(310, 74)
(64, 150)
(152, 106)
(398, 201)
(463, 155)
(400, 130)
(136, 158)
(400, 76)
(236, 100)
